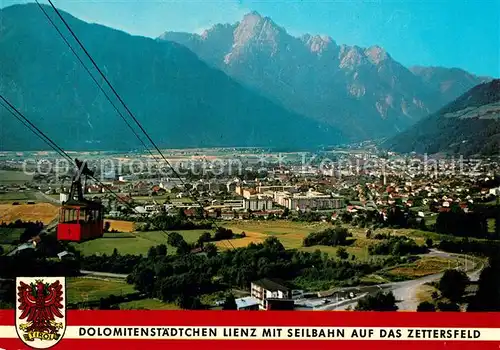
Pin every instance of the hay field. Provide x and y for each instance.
(291, 234)
(121, 225)
(44, 212)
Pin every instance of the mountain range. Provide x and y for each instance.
(470, 125)
(243, 84)
(363, 92)
(179, 99)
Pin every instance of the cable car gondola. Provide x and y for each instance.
(80, 219)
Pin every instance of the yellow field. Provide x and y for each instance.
(291, 234)
(251, 237)
(44, 212)
(121, 225)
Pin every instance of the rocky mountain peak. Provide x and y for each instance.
(317, 43)
(352, 57)
(257, 29)
(376, 54)
(371, 93)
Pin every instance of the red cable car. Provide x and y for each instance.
(80, 219)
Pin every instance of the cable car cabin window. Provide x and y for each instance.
(90, 215)
(69, 215)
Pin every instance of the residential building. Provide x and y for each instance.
(308, 200)
(258, 203)
(265, 289)
(248, 192)
(263, 189)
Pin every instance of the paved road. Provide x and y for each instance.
(405, 291)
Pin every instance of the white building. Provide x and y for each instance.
(63, 197)
(308, 200)
(268, 289)
(258, 203)
(495, 191)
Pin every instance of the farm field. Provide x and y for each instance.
(148, 304)
(80, 289)
(121, 225)
(16, 196)
(132, 243)
(44, 212)
(291, 234)
(9, 177)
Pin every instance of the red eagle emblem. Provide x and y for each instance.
(40, 303)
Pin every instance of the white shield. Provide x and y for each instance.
(40, 310)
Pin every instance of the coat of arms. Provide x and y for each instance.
(40, 310)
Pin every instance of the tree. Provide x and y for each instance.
(342, 253)
(230, 303)
(107, 226)
(452, 285)
(151, 252)
(144, 282)
(204, 238)
(273, 243)
(331, 237)
(183, 248)
(210, 249)
(175, 239)
(196, 304)
(161, 250)
(181, 213)
(223, 233)
(487, 298)
(200, 213)
(429, 243)
(426, 306)
(448, 307)
(286, 213)
(377, 302)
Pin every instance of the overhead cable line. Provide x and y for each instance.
(34, 129)
(68, 27)
(93, 78)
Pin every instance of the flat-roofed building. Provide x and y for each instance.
(258, 203)
(308, 200)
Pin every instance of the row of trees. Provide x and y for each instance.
(397, 246)
(31, 229)
(397, 216)
(114, 263)
(163, 221)
(331, 237)
(467, 246)
(458, 223)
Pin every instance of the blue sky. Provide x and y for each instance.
(449, 33)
